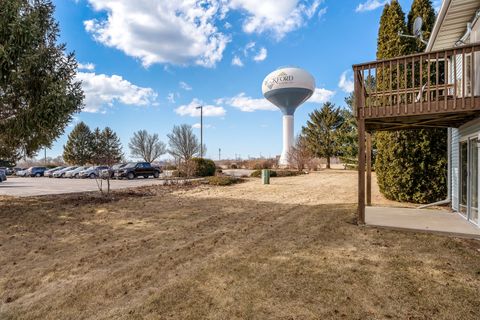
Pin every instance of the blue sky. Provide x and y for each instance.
(146, 64)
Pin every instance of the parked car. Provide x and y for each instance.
(75, 172)
(10, 171)
(61, 173)
(92, 172)
(105, 173)
(36, 171)
(3, 175)
(18, 169)
(22, 172)
(133, 170)
(49, 173)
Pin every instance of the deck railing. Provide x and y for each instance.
(435, 82)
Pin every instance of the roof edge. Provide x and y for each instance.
(438, 22)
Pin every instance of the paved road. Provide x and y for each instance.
(25, 187)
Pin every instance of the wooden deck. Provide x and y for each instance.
(435, 89)
(425, 90)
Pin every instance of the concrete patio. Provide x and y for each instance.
(421, 220)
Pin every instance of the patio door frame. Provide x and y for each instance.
(469, 140)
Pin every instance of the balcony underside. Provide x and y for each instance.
(436, 114)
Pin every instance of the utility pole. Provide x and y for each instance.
(201, 130)
(45, 158)
(219, 154)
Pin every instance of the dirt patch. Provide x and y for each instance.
(284, 251)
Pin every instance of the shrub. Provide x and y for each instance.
(258, 174)
(233, 166)
(411, 165)
(178, 174)
(203, 167)
(285, 173)
(222, 180)
(276, 173)
(260, 164)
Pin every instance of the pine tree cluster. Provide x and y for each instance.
(86, 147)
(411, 165)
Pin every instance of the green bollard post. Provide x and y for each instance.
(266, 176)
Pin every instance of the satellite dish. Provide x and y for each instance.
(417, 27)
(417, 31)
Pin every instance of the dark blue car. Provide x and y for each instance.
(3, 175)
(36, 171)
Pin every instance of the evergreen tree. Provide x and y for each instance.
(389, 43)
(38, 91)
(97, 147)
(423, 9)
(112, 147)
(410, 164)
(78, 149)
(322, 131)
(348, 135)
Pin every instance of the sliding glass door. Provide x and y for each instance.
(469, 179)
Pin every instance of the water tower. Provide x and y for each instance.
(288, 88)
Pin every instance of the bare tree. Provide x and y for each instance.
(300, 155)
(146, 146)
(183, 143)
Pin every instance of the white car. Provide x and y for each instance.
(92, 172)
(61, 173)
(75, 172)
(22, 173)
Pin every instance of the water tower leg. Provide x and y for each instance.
(288, 139)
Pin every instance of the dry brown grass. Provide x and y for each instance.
(290, 250)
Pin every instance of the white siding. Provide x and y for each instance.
(475, 37)
(455, 168)
(466, 130)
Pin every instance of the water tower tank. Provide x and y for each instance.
(288, 88)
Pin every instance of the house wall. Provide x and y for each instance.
(475, 37)
(455, 168)
(467, 130)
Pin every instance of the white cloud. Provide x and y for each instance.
(171, 97)
(262, 55)
(205, 126)
(86, 66)
(247, 104)
(185, 86)
(192, 111)
(236, 61)
(370, 5)
(278, 17)
(249, 47)
(176, 32)
(102, 90)
(321, 95)
(346, 83)
(185, 32)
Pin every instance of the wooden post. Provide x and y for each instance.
(369, 169)
(360, 113)
(361, 171)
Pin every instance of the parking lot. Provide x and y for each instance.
(25, 187)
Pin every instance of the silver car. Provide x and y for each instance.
(61, 173)
(75, 172)
(92, 172)
(22, 173)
